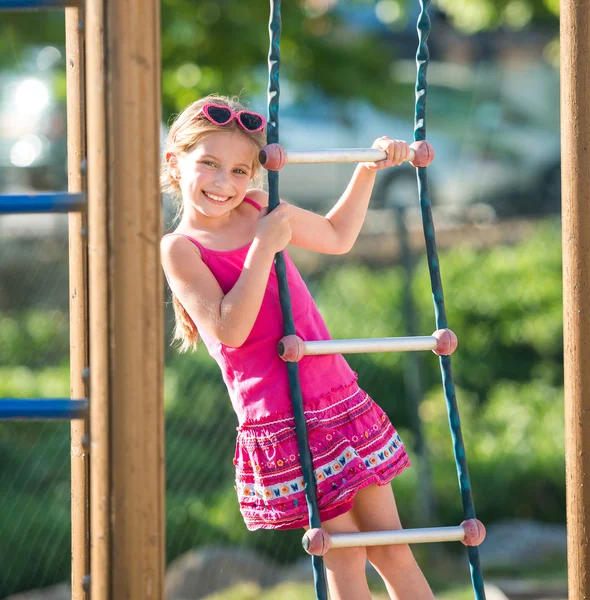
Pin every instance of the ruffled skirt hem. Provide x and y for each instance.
(330, 508)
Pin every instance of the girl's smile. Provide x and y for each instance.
(217, 199)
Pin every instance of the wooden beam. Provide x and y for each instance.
(127, 373)
(100, 489)
(575, 141)
(77, 221)
(135, 279)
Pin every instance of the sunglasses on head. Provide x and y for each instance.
(222, 115)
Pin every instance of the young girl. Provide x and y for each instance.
(219, 265)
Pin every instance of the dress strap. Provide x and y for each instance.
(253, 203)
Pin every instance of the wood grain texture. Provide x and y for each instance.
(126, 300)
(136, 292)
(575, 122)
(78, 277)
(99, 314)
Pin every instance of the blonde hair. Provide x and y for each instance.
(186, 131)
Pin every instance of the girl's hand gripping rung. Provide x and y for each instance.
(274, 157)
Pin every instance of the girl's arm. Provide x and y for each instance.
(337, 232)
(227, 317)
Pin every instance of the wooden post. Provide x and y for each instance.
(78, 300)
(575, 143)
(100, 532)
(126, 301)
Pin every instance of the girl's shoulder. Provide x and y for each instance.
(177, 246)
(258, 196)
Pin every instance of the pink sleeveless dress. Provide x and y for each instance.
(352, 441)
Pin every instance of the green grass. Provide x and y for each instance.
(300, 591)
(251, 591)
(462, 593)
(444, 581)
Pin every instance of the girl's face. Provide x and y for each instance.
(215, 174)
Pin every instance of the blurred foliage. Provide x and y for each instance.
(222, 46)
(472, 16)
(35, 500)
(35, 338)
(505, 307)
(503, 303)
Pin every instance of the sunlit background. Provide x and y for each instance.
(347, 76)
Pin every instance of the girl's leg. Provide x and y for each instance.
(345, 567)
(375, 510)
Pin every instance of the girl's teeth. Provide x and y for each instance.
(217, 198)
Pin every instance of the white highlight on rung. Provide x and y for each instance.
(340, 155)
(402, 536)
(397, 344)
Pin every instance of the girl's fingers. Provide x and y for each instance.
(280, 210)
(401, 152)
(407, 152)
(397, 152)
(394, 153)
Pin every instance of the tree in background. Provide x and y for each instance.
(222, 45)
(473, 16)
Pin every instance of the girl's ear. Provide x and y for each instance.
(173, 167)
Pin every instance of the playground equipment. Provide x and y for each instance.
(291, 348)
(274, 157)
(113, 107)
(575, 133)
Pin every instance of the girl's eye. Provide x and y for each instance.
(209, 163)
(241, 172)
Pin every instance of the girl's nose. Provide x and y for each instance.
(221, 178)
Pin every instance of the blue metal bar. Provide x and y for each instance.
(43, 409)
(422, 59)
(36, 4)
(272, 132)
(54, 202)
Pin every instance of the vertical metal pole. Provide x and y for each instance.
(126, 308)
(575, 169)
(78, 300)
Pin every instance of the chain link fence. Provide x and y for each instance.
(34, 362)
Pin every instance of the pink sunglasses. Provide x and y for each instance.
(222, 115)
